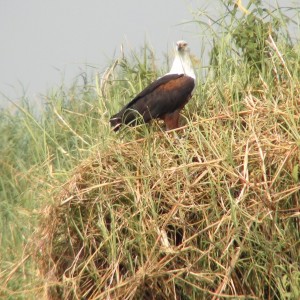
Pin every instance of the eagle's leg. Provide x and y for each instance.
(172, 120)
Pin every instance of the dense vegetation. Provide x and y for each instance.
(208, 211)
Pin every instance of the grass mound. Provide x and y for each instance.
(208, 211)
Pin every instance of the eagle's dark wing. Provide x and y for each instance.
(164, 96)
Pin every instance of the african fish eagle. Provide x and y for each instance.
(163, 98)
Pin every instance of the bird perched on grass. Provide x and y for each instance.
(163, 98)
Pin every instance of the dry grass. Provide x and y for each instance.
(208, 211)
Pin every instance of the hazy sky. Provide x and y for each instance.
(44, 41)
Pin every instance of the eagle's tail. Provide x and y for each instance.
(115, 122)
(127, 116)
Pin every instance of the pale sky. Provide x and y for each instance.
(45, 41)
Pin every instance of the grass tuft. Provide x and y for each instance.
(201, 212)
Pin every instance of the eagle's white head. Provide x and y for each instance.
(182, 46)
(182, 63)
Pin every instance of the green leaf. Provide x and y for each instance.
(295, 173)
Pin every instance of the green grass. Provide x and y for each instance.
(208, 211)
